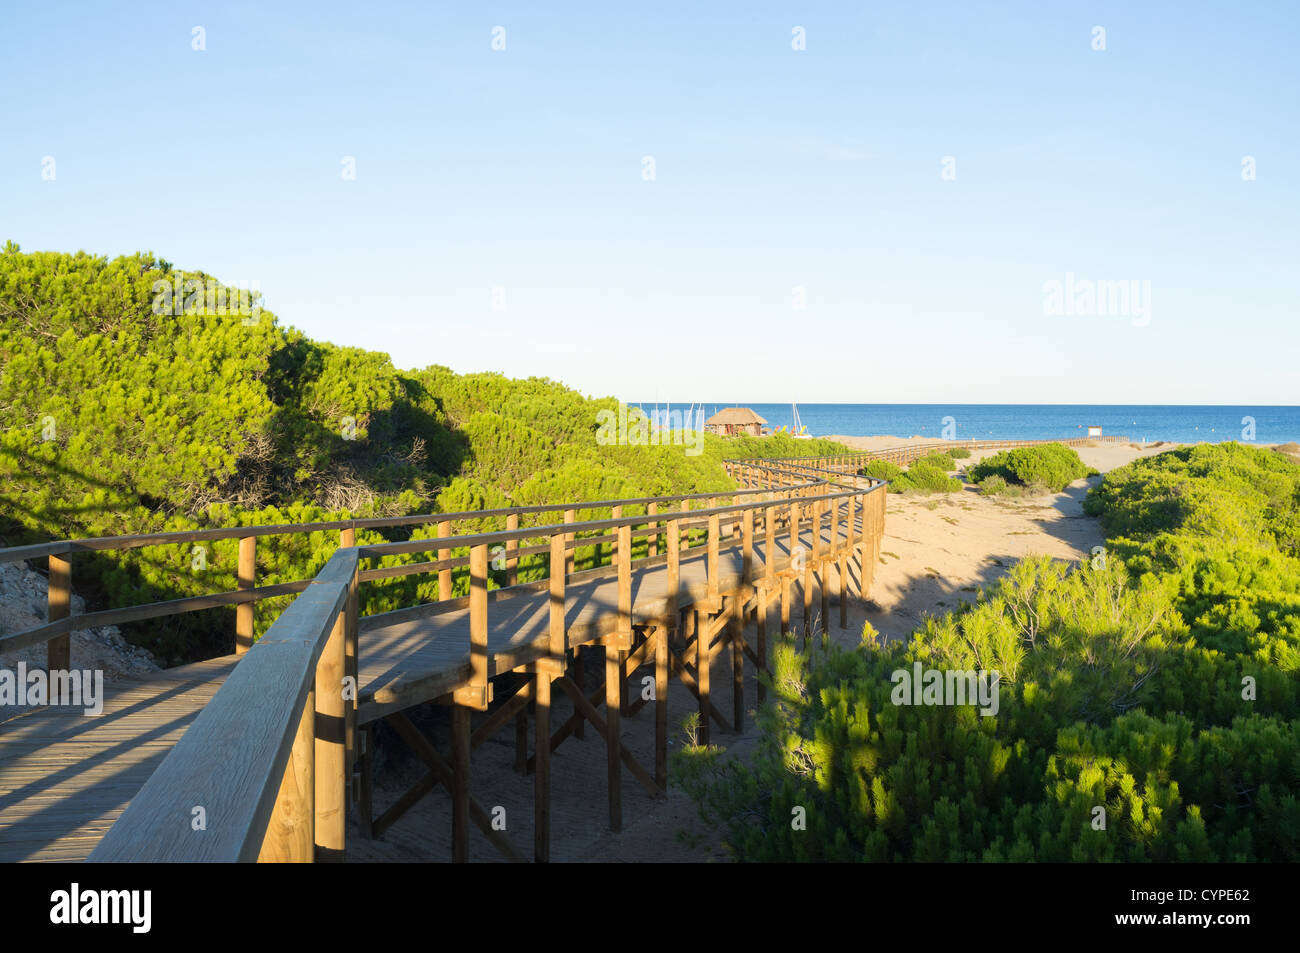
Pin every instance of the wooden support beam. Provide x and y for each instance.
(330, 749)
(588, 711)
(478, 693)
(348, 538)
(365, 796)
(290, 834)
(460, 733)
(542, 771)
(497, 720)
(613, 742)
(661, 707)
(58, 603)
(444, 575)
(736, 619)
(450, 775)
(703, 663)
(512, 551)
(246, 578)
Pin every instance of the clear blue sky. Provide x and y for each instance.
(775, 169)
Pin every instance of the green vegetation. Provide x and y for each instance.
(780, 445)
(882, 470)
(1042, 467)
(922, 477)
(130, 409)
(929, 474)
(939, 461)
(1158, 682)
(958, 453)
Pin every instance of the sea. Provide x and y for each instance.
(1138, 422)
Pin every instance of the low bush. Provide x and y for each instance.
(940, 461)
(1159, 680)
(992, 485)
(1053, 466)
(882, 470)
(958, 453)
(924, 478)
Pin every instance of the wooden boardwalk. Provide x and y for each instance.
(274, 742)
(408, 663)
(66, 778)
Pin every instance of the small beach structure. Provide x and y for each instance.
(731, 421)
(1094, 430)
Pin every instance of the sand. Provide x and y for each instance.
(936, 552)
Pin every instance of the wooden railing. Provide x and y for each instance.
(264, 765)
(753, 472)
(60, 623)
(268, 760)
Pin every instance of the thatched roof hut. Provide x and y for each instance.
(735, 420)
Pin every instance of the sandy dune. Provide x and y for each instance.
(939, 550)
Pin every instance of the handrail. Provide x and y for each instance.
(920, 449)
(135, 541)
(61, 624)
(263, 764)
(267, 759)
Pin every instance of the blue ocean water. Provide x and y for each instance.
(1182, 424)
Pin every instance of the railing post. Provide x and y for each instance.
(331, 777)
(554, 665)
(673, 541)
(474, 696)
(558, 644)
(714, 533)
(579, 673)
(812, 570)
(652, 540)
(769, 578)
(570, 547)
(864, 546)
(290, 834)
(624, 557)
(738, 619)
(58, 601)
(616, 512)
(787, 580)
(512, 551)
(828, 509)
(444, 574)
(347, 539)
(247, 578)
(477, 693)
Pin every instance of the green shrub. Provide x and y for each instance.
(1159, 679)
(940, 461)
(1053, 466)
(924, 478)
(958, 453)
(993, 485)
(882, 470)
(121, 420)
